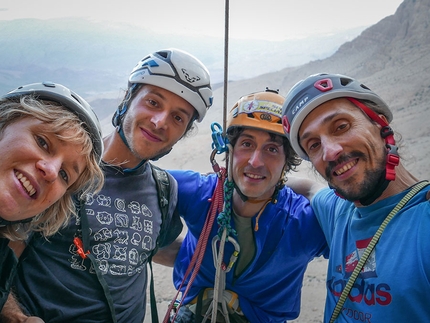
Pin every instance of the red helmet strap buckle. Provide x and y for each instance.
(387, 133)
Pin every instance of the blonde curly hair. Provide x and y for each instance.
(90, 180)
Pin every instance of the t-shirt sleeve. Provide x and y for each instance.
(195, 191)
(324, 204)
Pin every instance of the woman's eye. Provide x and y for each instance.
(64, 175)
(42, 142)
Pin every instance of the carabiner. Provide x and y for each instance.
(233, 257)
(219, 142)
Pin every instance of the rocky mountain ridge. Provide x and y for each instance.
(391, 57)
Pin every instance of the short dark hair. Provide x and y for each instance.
(292, 160)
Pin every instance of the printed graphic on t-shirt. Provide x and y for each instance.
(351, 261)
(121, 235)
(365, 290)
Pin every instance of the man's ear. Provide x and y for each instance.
(383, 118)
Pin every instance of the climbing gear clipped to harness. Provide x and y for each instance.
(224, 188)
(195, 263)
(219, 304)
(415, 189)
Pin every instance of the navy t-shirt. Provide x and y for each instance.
(56, 284)
(8, 262)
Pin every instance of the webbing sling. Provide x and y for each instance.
(418, 187)
(163, 191)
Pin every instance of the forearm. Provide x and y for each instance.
(304, 186)
(167, 255)
(13, 313)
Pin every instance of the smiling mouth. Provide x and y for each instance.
(253, 176)
(25, 183)
(345, 168)
(151, 136)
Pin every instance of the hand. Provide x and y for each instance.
(34, 319)
(12, 313)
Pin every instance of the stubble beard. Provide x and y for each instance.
(352, 190)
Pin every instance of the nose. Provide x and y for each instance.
(49, 169)
(159, 119)
(331, 149)
(256, 159)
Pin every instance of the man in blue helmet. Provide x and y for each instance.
(95, 269)
(376, 214)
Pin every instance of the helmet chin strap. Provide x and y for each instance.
(387, 133)
(373, 194)
(377, 191)
(4, 222)
(393, 158)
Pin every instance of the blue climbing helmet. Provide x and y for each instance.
(70, 100)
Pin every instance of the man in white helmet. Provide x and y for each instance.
(95, 269)
(376, 214)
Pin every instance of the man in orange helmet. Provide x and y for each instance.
(272, 231)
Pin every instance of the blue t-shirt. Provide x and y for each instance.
(56, 284)
(288, 237)
(394, 285)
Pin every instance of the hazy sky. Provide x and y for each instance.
(251, 19)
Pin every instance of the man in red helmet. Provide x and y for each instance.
(379, 269)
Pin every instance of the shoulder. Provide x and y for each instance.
(293, 204)
(325, 196)
(192, 179)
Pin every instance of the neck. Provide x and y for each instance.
(117, 153)
(249, 208)
(404, 180)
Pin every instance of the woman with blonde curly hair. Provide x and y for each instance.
(50, 144)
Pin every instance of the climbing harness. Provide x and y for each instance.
(418, 187)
